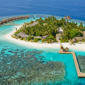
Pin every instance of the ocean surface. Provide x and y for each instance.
(73, 8)
(22, 65)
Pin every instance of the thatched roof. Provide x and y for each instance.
(33, 24)
(17, 17)
(0, 22)
(4, 20)
(7, 19)
(26, 16)
(74, 40)
(14, 18)
(23, 35)
(58, 36)
(10, 19)
(77, 39)
(37, 37)
(44, 37)
(60, 30)
(83, 33)
(20, 17)
(68, 17)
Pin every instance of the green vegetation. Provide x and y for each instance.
(50, 26)
(75, 32)
(29, 38)
(37, 39)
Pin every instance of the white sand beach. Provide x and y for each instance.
(43, 45)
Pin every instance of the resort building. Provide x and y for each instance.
(33, 24)
(84, 33)
(4, 21)
(60, 30)
(22, 35)
(37, 37)
(75, 39)
(13, 19)
(44, 37)
(0, 22)
(67, 17)
(58, 36)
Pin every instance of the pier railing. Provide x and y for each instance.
(80, 74)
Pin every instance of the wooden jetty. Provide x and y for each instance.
(13, 19)
(80, 74)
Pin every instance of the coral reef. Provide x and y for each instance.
(81, 60)
(23, 67)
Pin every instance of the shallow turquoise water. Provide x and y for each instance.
(8, 51)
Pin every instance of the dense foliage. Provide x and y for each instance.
(75, 32)
(49, 26)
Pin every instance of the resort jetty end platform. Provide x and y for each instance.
(13, 19)
(80, 74)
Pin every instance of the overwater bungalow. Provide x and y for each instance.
(20, 17)
(23, 17)
(68, 17)
(17, 18)
(10, 19)
(13, 19)
(7, 20)
(4, 21)
(0, 22)
(27, 16)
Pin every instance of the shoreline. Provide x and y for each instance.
(78, 47)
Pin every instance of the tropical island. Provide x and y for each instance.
(51, 30)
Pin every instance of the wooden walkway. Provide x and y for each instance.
(80, 74)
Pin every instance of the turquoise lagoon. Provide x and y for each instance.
(13, 59)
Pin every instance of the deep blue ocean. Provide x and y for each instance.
(25, 65)
(73, 8)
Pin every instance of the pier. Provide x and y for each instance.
(80, 74)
